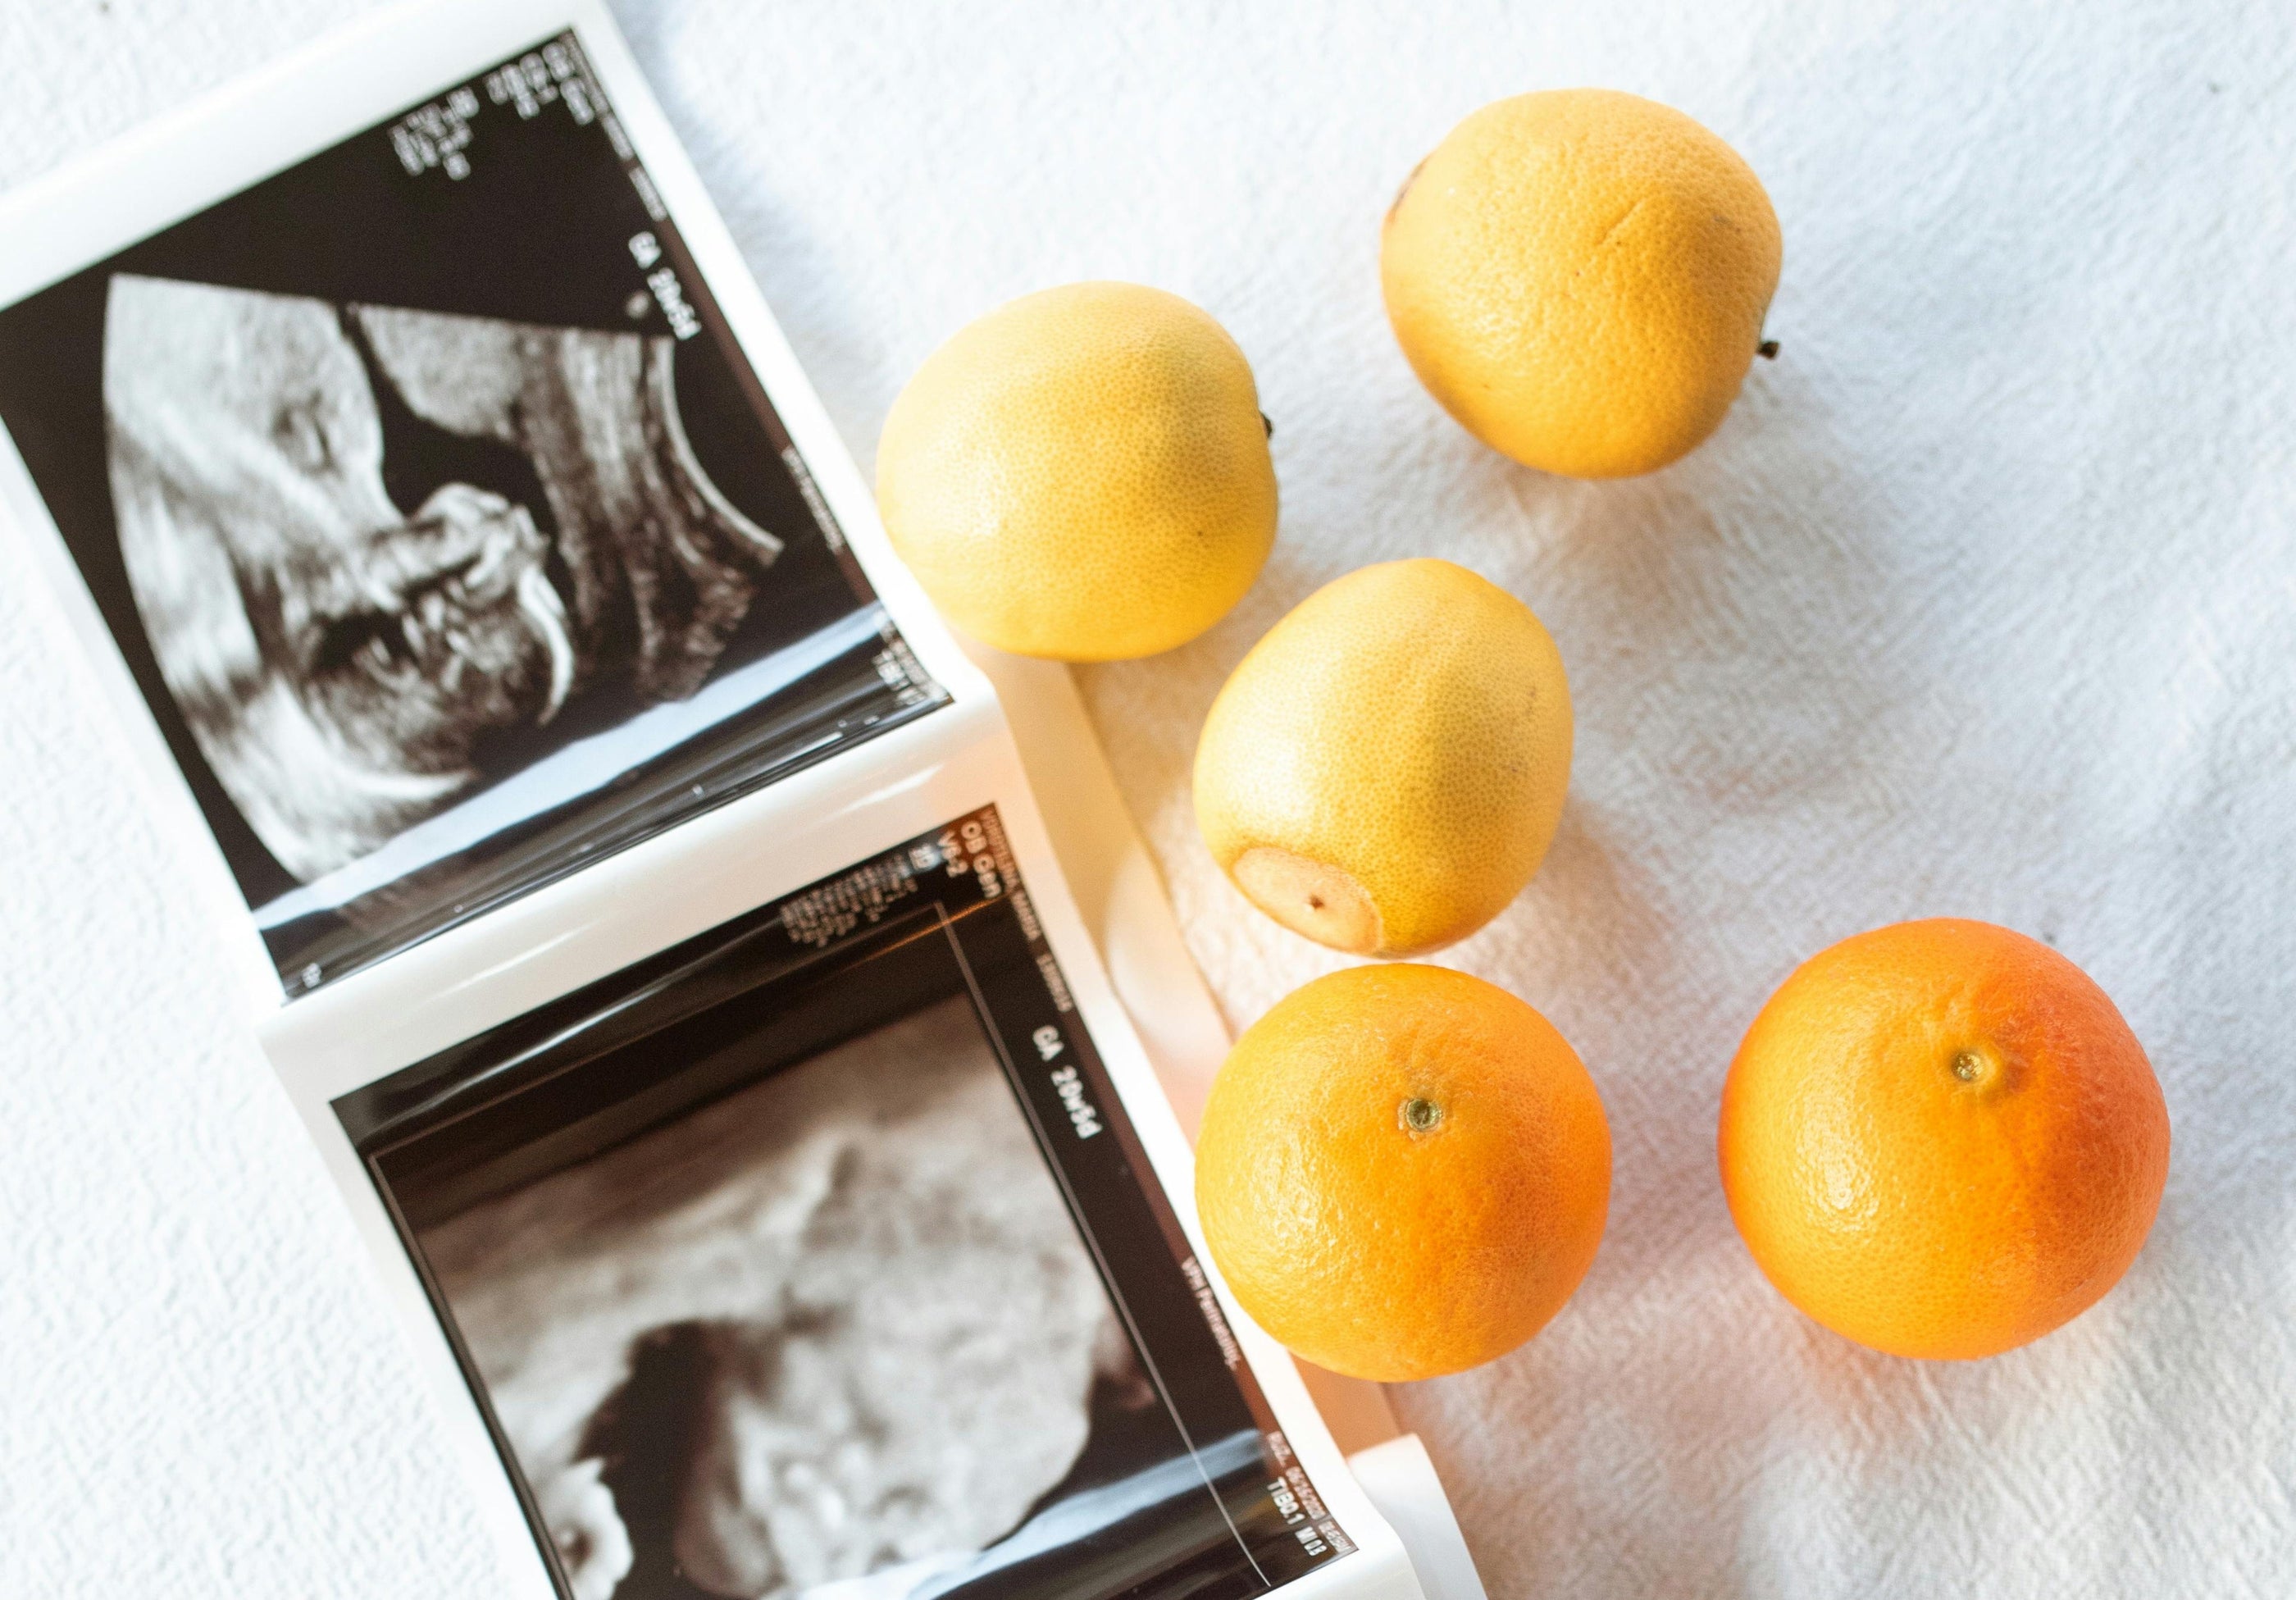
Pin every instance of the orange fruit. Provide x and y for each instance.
(1940, 1139)
(1402, 1171)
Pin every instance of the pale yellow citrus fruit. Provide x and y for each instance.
(1579, 277)
(1384, 771)
(1083, 473)
(1403, 1172)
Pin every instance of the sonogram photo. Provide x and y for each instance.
(815, 1258)
(834, 1335)
(441, 519)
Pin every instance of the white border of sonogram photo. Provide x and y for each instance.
(348, 83)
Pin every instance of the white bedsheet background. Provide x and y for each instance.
(1980, 603)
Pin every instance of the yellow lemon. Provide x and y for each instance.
(1580, 277)
(1384, 771)
(1083, 473)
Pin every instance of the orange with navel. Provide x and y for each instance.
(1403, 1172)
(1940, 1139)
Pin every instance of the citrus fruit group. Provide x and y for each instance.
(1940, 1139)
(1579, 277)
(1385, 769)
(1083, 473)
(1402, 1171)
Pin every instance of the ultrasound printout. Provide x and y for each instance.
(442, 523)
(814, 1258)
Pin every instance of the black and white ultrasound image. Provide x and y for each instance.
(815, 1259)
(440, 520)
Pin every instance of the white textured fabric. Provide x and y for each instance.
(1980, 603)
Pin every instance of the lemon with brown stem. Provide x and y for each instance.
(1083, 473)
(1581, 276)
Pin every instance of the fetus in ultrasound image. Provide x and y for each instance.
(386, 556)
(832, 1335)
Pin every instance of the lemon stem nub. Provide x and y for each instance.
(1419, 1115)
(1310, 898)
(1968, 1066)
